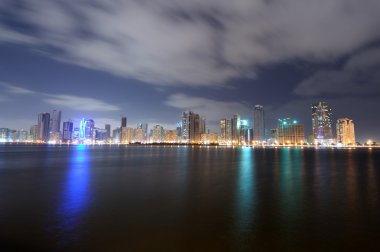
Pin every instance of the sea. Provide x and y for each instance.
(188, 198)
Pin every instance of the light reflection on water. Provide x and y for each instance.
(245, 191)
(75, 193)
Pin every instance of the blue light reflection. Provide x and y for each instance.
(75, 193)
(246, 196)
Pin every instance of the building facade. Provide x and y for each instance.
(345, 132)
(43, 127)
(290, 132)
(258, 124)
(321, 113)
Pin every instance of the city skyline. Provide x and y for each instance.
(101, 61)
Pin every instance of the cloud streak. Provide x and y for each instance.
(70, 101)
(206, 42)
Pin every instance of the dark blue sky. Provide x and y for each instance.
(150, 60)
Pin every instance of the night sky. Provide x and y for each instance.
(152, 59)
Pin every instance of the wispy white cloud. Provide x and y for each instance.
(202, 42)
(79, 103)
(70, 101)
(13, 89)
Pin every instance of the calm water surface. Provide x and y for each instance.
(152, 198)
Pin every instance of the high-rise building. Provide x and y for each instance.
(191, 127)
(170, 136)
(157, 134)
(321, 113)
(345, 132)
(124, 121)
(290, 131)
(223, 131)
(126, 135)
(55, 121)
(108, 130)
(67, 135)
(43, 127)
(4, 134)
(235, 129)
(245, 133)
(144, 127)
(33, 132)
(86, 129)
(258, 124)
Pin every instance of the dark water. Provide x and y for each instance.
(139, 198)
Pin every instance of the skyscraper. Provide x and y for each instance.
(191, 127)
(55, 121)
(67, 132)
(108, 130)
(124, 121)
(258, 123)
(86, 130)
(33, 132)
(345, 132)
(235, 128)
(321, 113)
(43, 127)
(223, 131)
(157, 134)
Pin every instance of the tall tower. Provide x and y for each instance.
(191, 127)
(321, 113)
(345, 132)
(67, 135)
(124, 121)
(108, 130)
(258, 123)
(43, 127)
(235, 128)
(55, 121)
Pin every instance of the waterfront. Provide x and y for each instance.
(183, 198)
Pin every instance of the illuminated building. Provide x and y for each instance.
(157, 134)
(141, 133)
(245, 133)
(191, 127)
(258, 124)
(116, 135)
(86, 130)
(345, 132)
(100, 135)
(33, 133)
(4, 134)
(170, 136)
(179, 129)
(223, 131)
(235, 129)
(76, 133)
(139, 136)
(290, 131)
(209, 138)
(43, 127)
(67, 135)
(126, 135)
(21, 135)
(321, 121)
(273, 138)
